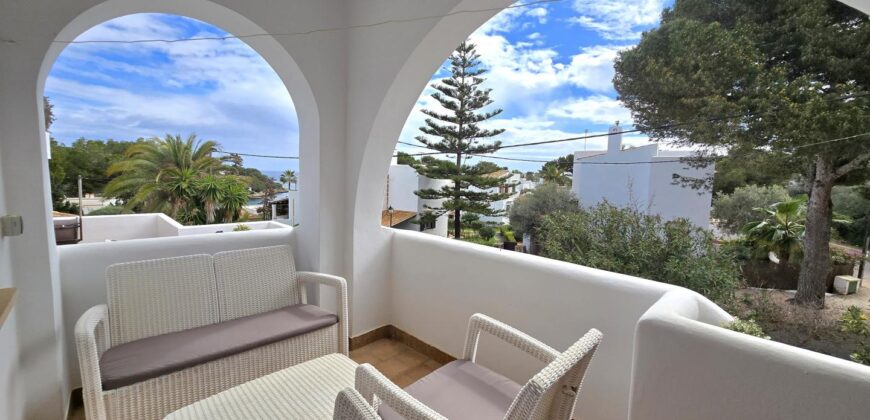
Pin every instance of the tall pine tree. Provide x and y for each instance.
(458, 134)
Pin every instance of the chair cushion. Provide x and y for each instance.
(462, 390)
(151, 357)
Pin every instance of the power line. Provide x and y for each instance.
(660, 127)
(833, 140)
(309, 32)
(255, 155)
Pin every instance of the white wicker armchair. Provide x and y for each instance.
(550, 394)
(158, 298)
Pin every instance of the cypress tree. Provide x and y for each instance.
(457, 132)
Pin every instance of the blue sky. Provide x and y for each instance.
(550, 70)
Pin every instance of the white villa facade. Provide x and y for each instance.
(664, 355)
(402, 181)
(513, 184)
(641, 177)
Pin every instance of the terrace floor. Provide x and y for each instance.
(396, 360)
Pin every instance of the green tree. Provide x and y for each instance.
(288, 177)
(780, 230)
(233, 199)
(160, 174)
(554, 174)
(528, 210)
(459, 134)
(736, 209)
(564, 163)
(788, 75)
(210, 190)
(853, 202)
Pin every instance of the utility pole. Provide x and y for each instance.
(866, 245)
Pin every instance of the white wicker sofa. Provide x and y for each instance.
(177, 330)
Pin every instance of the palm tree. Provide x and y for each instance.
(159, 174)
(552, 173)
(233, 199)
(782, 229)
(288, 177)
(209, 189)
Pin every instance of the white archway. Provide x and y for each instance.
(46, 355)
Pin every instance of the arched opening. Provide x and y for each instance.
(48, 288)
(198, 131)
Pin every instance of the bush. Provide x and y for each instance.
(747, 326)
(486, 232)
(507, 234)
(630, 242)
(861, 354)
(852, 202)
(735, 210)
(241, 228)
(854, 321)
(110, 211)
(528, 209)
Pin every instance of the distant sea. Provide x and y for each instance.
(273, 174)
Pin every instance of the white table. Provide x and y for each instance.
(303, 391)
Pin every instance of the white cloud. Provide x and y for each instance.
(618, 19)
(222, 90)
(598, 109)
(540, 13)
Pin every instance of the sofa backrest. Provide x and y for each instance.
(255, 280)
(153, 297)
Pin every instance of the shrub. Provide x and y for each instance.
(241, 228)
(507, 233)
(528, 209)
(630, 242)
(486, 232)
(735, 210)
(854, 321)
(861, 354)
(110, 210)
(746, 326)
(853, 202)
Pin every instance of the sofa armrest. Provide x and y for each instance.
(340, 286)
(376, 389)
(92, 339)
(482, 323)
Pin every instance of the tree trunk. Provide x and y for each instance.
(457, 213)
(816, 265)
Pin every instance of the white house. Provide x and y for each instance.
(513, 184)
(642, 177)
(402, 207)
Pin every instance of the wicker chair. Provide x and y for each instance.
(550, 394)
(154, 300)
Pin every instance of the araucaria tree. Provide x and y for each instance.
(787, 79)
(456, 131)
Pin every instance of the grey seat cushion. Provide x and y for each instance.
(462, 390)
(151, 357)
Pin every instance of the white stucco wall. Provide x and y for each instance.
(439, 283)
(648, 186)
(403, 182)
(686, 369)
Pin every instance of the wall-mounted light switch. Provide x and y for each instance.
(11, 225)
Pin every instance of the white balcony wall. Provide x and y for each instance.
(686, 369)
(83, 266)
(437, 284)
(663, 357)
(127, 226)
